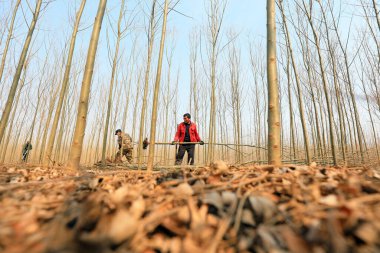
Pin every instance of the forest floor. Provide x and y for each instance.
(209, 209)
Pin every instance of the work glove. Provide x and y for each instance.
(201, 142)
(173, 142)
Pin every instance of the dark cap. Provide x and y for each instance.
(117, 131)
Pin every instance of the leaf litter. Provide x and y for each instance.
(219, 208)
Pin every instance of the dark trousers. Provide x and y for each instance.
(25, 154)
(181, 153)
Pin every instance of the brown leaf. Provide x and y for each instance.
(123, 225)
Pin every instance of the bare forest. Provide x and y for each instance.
(189, 126)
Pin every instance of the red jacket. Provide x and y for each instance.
(181, 129)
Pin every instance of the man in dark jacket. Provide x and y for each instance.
(186, 132)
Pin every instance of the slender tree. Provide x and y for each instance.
(308, 13)
(377, 13)
(298, 84)
(76, 147)
(17, 75)
(349, 78)
(156, 91)
(274, 127)
(64, 87)
(215, 20)
(12, 121)
(114, 66)
(9, 38)
(151, 34)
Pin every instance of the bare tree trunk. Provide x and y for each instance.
(64, 87)
(376, 13)
(114, 66)
(168, 97)
(137, 96)
(6, 142)
(151, 35)
(125, 114)
(367, 97)
(156, 91)
(291, 117)
(63, 122)
(50, 113)
(13, 152)
(372, 124)
(20, 65)
(76, 148)
(373, 34)
(349, 83)
(274, 124)
(215, 16)
(40, 92)
(9, 38)
(324, 81)
(235, 89)
(331, 52)
(299, 90)
(194, 91)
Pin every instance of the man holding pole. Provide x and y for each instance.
(187, 136)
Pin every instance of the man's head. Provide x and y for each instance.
(118, 132)
(186, 118)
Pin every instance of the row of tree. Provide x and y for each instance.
(327, 94)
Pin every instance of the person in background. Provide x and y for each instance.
(125, 146)
(25, 151)
(186, 132)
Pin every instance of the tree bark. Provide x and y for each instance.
(76, 147)
(274, 127)
(156, 91)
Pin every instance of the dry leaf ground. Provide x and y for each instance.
(213, 209)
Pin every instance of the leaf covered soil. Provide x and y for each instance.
(219, 208)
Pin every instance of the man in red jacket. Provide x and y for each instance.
(186, 132)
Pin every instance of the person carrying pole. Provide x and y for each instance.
(25, 151)
(186, 132)
(125, 146)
